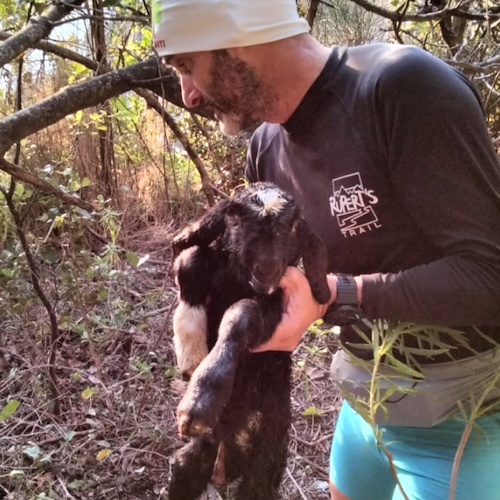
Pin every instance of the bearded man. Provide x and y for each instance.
(386, 149)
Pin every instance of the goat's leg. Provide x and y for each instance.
(262, 476)
(261, 437)
(243, 326)
(194, 269)
(193, 468)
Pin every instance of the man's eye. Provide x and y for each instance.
(183, 69)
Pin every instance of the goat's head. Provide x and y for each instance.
(262, 229)
(261, 233)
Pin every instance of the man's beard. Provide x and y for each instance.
(239, 98)
(231, 124)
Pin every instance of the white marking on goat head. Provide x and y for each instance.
(268, 201)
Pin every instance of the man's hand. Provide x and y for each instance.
(300, 311)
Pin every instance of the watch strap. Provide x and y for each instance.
(347, 291)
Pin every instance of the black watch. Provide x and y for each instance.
(345, 310)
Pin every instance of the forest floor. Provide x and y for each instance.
(116, 432)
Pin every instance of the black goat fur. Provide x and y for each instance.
(237, 403)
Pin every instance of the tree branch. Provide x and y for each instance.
(312, 8)
(149, 74)
(29, 178)
(37, 28)
(57, 50)
(131, 19)
(397, 16)
(205, 179)
(83, 95)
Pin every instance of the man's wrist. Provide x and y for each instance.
(359, 289)
(344, 306)
(332, 284)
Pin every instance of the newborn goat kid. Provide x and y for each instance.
(237, 403)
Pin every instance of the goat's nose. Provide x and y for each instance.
(267, 270)
(191, 94)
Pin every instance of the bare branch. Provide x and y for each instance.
(25, 176)
(90, 93)
(312, 8)
(205, 180)
(164, 83)
(57, 50)
(132, 19)
(37, 28)
(397, 16)
(35, 281)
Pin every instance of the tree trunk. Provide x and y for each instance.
(105, 130)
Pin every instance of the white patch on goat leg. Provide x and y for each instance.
(269, 201)
(243, 437)
(190, 336)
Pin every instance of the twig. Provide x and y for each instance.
(312, 444)
(166, 309)
(165, 323)
(63, 486)
(320, 469)
(458, 458)
(296, 484)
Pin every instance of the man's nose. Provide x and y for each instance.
(191, 95)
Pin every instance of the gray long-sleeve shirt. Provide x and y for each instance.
(390, 157)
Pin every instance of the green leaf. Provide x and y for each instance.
(403, 368)
(69, 436)
(312, 411)
(59, 220)
(78, 116)
(50, 255)
(19, 191)
(76, 484)
(132, 258)
(88, 392)
(9, 409)
(32, 451)
(86, 182)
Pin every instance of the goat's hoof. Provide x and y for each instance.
(189, 426)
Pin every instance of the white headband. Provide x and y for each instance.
(181, 26)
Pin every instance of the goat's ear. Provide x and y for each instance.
(203, 231)
(315, 260)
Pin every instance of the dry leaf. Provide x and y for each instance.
(103, 454)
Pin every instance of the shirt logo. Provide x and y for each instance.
(352, 205)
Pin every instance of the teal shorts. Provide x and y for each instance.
(423, 458)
